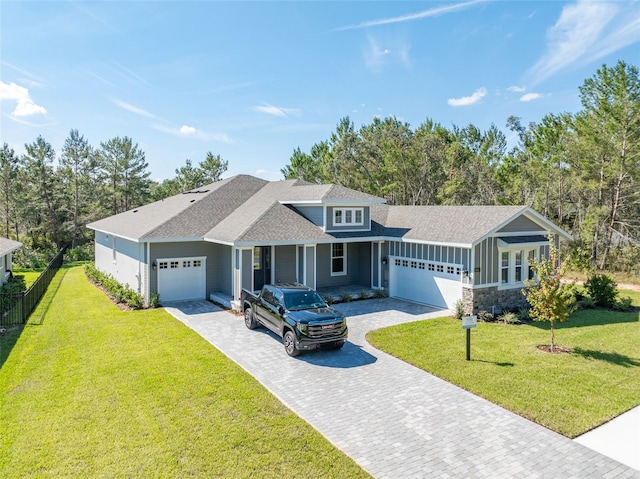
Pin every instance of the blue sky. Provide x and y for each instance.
(251, 81)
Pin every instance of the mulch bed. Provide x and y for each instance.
(556, 349)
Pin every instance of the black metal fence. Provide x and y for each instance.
(15, 308)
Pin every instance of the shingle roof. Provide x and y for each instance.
(445, 224)
(244, 209)
(8, 246)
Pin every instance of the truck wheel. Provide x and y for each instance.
(289, 341)
(249, 320)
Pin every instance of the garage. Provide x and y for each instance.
(181, 278)
(438, 284)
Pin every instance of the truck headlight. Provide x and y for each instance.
(303, 328)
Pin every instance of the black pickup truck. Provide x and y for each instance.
(297, 314)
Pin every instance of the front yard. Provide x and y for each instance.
(88, 390)
(569, 393)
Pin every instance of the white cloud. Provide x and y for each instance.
(192, 132)
(517, 89)
(134, 109)
(276, 110)
(477, 95)
(25, 106)
(585, 32)
(531, 96)
(432, 12)
(187, 130)
(375, 55)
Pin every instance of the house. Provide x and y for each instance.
(244, 232)
(7, 247)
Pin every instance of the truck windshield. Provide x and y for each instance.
(299, 300)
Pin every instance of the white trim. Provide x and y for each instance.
(149, 268)
(343, 217)
(273, 265)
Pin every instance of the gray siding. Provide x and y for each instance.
(285, 264)
(218, 274)
(246, 275)
(310, 265)
(366, 217)
(358, 266)
(312, 213)
(375, 262)
(430, 252)
(521, 223)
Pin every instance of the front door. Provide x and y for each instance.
(261, 266)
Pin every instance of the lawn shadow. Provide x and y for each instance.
(42, 306)
(8, 341)
(613, 358)
(591, 317)
(497, 363)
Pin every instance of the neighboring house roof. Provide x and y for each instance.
(247, 210)
(8, 246)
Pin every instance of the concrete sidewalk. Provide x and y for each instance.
(396, 420)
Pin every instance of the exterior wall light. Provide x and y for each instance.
(154, 265)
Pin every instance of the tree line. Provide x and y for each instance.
(580, 170)
(46, 200)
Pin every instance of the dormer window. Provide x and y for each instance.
(348, 216)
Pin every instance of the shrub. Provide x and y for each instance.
(119, 293)
(622, 304)
(509, 318)
(346, 298)
(459, 309)
(364, 294)
(587, 302)
(27, 257)
(486, 316)
(328, 298)
(603, 289)
(154, 302)
(380, 293)
(523, 314)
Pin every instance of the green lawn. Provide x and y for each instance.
(90, 391)
(29, 275)
(569, 393)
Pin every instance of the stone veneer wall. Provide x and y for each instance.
(492, 300)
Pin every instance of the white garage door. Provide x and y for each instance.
(181, 278)
(425, 282)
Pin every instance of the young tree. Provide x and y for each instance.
(550, 299)
(212, 168)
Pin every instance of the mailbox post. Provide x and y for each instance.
(469, 322)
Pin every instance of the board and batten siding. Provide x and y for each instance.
(315, 214)
(285, 264)
(430, 252)
(218, 263)
(487, 258)
(366, 217)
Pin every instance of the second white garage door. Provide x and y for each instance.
(425, 282)
(181, 278)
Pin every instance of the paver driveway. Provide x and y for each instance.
(396, 420)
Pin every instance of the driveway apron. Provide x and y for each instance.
(396, 420)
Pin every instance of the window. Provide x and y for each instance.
(420, 265)
(514, 266)
(338, 259)
(186, 264)
(440, 268)
(432, 267)
(450, 269)
(414, 264)
(505, 267)
(348, 216)
(175, 264)
(197, 263)
(518, 262)
(397, 262)
(162, 265)
(405, 263)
